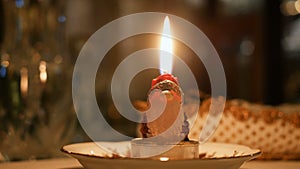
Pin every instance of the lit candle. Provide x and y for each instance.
(169, 124)
(168, 87)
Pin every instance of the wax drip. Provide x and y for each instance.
(185, 128)
(144, 128)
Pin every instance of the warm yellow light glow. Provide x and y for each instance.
(297, 6)
(5, 60)
(164, 159)
(43, 71)
(24, 81)
(166, 45)
(5, 63)
(289, 8)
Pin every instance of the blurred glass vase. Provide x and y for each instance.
(36, 111)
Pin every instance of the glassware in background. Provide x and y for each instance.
(36, 111)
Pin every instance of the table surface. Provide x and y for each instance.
(71, 163)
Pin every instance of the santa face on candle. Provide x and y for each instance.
(165, 88)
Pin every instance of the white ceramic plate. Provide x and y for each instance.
(218, 156)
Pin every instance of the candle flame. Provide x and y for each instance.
(166, 45)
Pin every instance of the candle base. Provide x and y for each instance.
(182, 150)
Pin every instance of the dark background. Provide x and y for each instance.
(251, 37)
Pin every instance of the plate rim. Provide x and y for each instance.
(248, 156)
